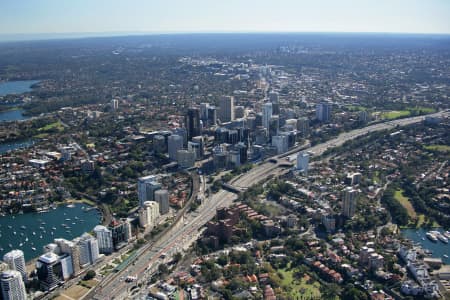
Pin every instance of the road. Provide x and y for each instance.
(186, 232)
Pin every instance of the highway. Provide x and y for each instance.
(184, 233)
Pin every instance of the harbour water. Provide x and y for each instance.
(12, 115)
(16, 87)
(5, 147)
(438, 248)
(31, 231)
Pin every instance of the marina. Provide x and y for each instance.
(29, 232)
(434, 242)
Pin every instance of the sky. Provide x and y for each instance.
(29, 17)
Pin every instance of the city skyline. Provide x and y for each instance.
(50, 19)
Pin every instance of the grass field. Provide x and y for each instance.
(299, 288)
(52, 126)
(395, 114)
(440, 148)
(404, 201)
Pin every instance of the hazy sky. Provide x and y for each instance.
(79, 16)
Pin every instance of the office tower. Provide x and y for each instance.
(159, 144)
(88, 248)
(146, 188)
(192, 121)
(242, 148)
(323, 112)
(274, 125)
(281, 143)
(104, 238)
(115, 104)
(49, 271)
(183, 133)
(251, 122)
(16, 261)
(121, 232)
(204, 112)
(233, 136)
(196, 148)
(175, 143)
(220, 157)
(302, 162)
(226, 109)
(162, 197)
(148, 214)
(212, 116)
(185, 158)
(234, 158)
(266, 114)
(349, 202)
(12, 285)
(66, 265)
(303, 126)
(72, 249)
(239, 112)
(273, 98)
(199, 140)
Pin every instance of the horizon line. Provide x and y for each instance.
(24, 37)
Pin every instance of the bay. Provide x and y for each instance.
(34, 230)
(439, 248)
(12, 115)
(16, 87)
(5, 147)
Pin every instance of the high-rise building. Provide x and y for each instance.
(192, 121)
(323, 112)
(196, 148)
(185, 158)
(159, 144)
(274, 126)
(349, 196)
(146, 188)
(104, 238)
(121, 232)
(303, 126)
(175, 143)
(266, 114)
(71, 248)
(302, 162)
(239, 112)
(115, 104)
(162, 197)
(12, 285)
(281, 142)
(226, 109)
(273, 97)
(212, 116)
(49, 271)
(16, 261)
(148, 214)
(88, 248)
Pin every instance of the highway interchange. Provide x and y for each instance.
(185, 232)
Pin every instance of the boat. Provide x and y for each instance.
(14, 233)
(10, 246)
(21, 244)
(23, 227)
(9, 226)
(21, 233)
(43, 223)
(431, 236)
(71, 205)
(54, 228)
(445, 255)
(423, 239)
(51, 233)
(40, 236)
(447, 234)
(1, 249)
(67, 219)
(442, 238)
(26, 240)
(32, 248)
(34, 233)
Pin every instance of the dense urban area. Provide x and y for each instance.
(228, 166)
